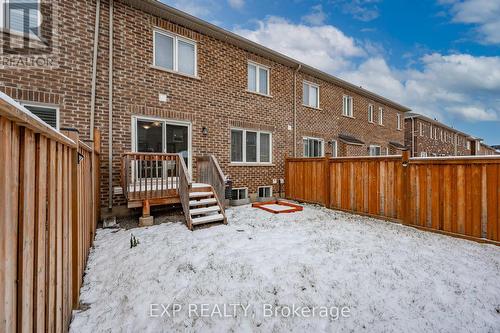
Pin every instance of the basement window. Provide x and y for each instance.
(48, 114)
(265, 191)
(174, 53)
(239, 193)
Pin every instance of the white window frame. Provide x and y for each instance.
(262, 187)
(421, 129)
(310, 85)
(48, 106)
(381, 116)
(399, 121)
(370, 147)
(244, 148)
(370, 114)
(176, 38)
(257, 78)
(239, 189)
(317, 139)
(350, 110)
(423, 154)
(335, 148)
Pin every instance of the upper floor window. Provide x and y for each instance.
(250, 146)
(310, 94)
(399, 121)
(347, 106)
(175, 53)
(421, 129)
(313, 147)
(258, 78)
(370, 113)
(380, 116)
(22, 17)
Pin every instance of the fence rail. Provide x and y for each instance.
(456, 196)
(47, 220)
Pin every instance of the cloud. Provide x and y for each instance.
(236, 4)
(316, 17)
(449, 87)
(362, 10)
(484, 14)
(324, 47)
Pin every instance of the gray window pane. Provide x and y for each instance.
(306, 148)
(252, 77)
(164, 51)
(23, 16)
(186, 58)
(236, 146)
(265, 155)
(313, 98)
(263, 81)
(305, 94)
(251, 146)
(48, 115)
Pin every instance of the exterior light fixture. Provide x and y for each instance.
(80, 158)
(204, 130)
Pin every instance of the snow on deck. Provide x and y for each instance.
(391, 277)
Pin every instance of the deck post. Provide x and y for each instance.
(146, 219)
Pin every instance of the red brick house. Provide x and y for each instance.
(161, 81)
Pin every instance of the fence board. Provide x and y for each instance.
(459, 196)
(36, 220)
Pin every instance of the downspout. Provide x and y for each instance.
(94, 67)
(110, 110)
(413, 137)
(295, 110)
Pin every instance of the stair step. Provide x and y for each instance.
(204, 210)
(200, 194)
(202, 202)
(208, 219)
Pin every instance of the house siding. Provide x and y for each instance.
(218, 99)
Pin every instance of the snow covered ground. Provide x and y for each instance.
(390, 278)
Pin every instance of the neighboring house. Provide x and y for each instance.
(426, 137)
(181, 85)
(484, 149)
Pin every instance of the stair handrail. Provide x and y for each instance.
(185, 184)
(213, 175)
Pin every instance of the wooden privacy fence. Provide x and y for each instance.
(48, 214)
(459, 196)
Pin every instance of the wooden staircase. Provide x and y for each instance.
(204, 207)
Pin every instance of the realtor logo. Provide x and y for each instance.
(29, 37)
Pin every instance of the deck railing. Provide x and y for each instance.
(210, 172)
(150, 175)
(184, 189)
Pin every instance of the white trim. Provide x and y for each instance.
(398, 116)
(266, 186)
(381, 116)
(257, 78)
(309, 86)
(175, 48)
(317, 139)
(350, 112)
(244, 146)
(164, 138)
(370, 113)
(47, 106)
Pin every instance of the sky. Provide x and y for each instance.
(441, 58)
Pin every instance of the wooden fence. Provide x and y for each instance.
(48, 214)
(455, 196)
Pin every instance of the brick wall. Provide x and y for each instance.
(441, 142)
(217, 99)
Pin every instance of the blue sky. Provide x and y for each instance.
(439, 57)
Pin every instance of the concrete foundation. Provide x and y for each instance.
(146, 221)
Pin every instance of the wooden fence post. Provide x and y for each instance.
(326, 168)
(405, 161)
(75, 205)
